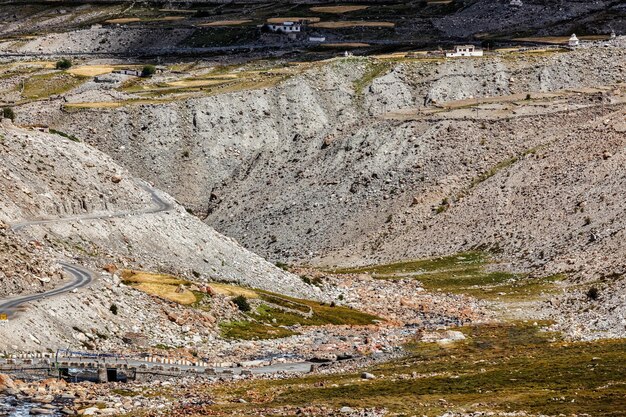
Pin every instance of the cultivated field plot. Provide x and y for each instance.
(91, 70)
(338, 9)
(225, 23)
(352, 24)
(45, 85)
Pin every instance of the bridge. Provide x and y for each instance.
(104, 367)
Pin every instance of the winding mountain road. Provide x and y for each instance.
(82, 276)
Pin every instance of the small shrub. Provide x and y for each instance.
(282, 266)
(8, 113)
(63, 64)
(113, 309)
(593, 293)
(242, 303)
(528, 97)
(148, 71)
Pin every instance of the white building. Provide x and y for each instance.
(465, 50)
(317, 39)
(516, 3)
(285, 27)
(573, 40)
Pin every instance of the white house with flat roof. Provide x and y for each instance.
(465, 50)
(285, 27)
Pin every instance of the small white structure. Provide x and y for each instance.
(613, 35)
(136, 73)
(465, 50)
(317, 39)
(516, 3)
(573, 40)
(285, 27)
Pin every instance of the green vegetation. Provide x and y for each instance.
(373, 71)
(63, 64)
(465, 273)
(65, 135)
(8, 113)
(46, 85)
(242, 303)
(249, 330)
(276, 312)
(593, 293)
(501, 368)
(148, 71)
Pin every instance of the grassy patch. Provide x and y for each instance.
(65, 135)
(46, 85)
(373, 71)
(269, 319)
(464, 273)
(430, 264)
(248, 330)
(134, 277)
(504, 368)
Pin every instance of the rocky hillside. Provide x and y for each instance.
(280, 168)
(24, 266)
(95, 212)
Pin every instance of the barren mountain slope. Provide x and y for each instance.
(45, 176)
(309, 167)
(48, 176)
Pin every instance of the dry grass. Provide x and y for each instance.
(233, 290)
(225, 23)
(123, 20)
(352, 24)
(173, 293)
(95, 105)
(90, 70)
(170, 18)
(195, 83)
(338, 9)
(160, 285)
(46, 85)
(147, 277)
(112, 104)
(293, 19)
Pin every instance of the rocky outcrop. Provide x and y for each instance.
(25, 266)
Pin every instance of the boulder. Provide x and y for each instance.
(7, 386)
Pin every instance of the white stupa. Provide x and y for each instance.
(516, 3)
(573, 40)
